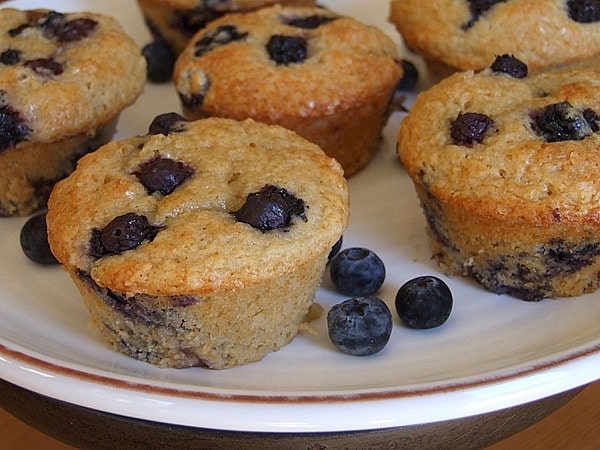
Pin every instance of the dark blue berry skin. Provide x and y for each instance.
(167, 123)
(336, 248)
(357, 272)
(160, 60)
(10, 57)
(360, 326)
(45, 67)
(163, 175)
(470, 128)
(223, 35)
(410, 76)
(584, 11)
(509, 65)
(12, 127)
(270, 208)
(424, 302)
(123, 233)
(563, 122)
(309, 22)
(286, 50)
(34, 240)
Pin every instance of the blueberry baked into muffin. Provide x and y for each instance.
(64, 79)
(469, 34)
(507, 170)
(201, 243)
(328, 77)
(172, 23)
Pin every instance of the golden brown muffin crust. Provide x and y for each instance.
(201, 248)
(514, 173)
(538, 32)
(102, 74)
(345, 56)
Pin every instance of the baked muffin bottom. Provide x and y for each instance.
(206, 331)
(351, 136)
(29, 171)
(530, 262)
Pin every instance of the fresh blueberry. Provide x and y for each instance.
(335, 249)
(34, 240)
(360, 326)
(470, 128)
(510, 65)
(357, 272)
(424, 302)
(160, 60)
(410, 76)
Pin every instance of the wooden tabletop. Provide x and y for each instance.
(574, 426)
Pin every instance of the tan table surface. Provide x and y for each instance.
(574, 426)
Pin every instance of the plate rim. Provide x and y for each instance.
(558, 372)
(279, 413)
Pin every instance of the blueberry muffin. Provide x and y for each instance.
(64, 79)
(507, 170)
(201, 243)
(172, 23)
(469, 34)
(328, 77)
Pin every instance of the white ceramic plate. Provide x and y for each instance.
(494, 352)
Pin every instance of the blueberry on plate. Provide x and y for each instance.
(424, 302)
(34, 240)
(360, 326)
(335, 249)
(410, 76)
(357, 271)
(160, 60)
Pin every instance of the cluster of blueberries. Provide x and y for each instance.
(362, 325)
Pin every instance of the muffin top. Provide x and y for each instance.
(468, 34)
(519, 148)
(280, 62)
(63, 74)
(198, 207)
